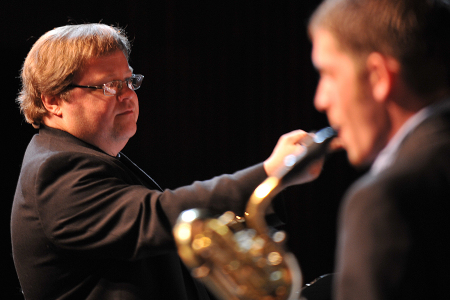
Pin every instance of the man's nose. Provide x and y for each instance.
(321, 98)
(125, 93)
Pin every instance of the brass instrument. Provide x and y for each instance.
(242, 259)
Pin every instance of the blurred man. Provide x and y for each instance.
(86, 222)
(384, 85)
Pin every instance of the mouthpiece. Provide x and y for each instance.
(317, 146)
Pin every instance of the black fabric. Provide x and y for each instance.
(395, 226)
(86, 225)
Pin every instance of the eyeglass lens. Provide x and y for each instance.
(133, 83)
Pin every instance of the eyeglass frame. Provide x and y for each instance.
(119, 87)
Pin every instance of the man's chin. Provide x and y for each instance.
(125, 133)
(359, 161)
(133, 131)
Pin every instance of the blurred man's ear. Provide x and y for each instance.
(383, 73)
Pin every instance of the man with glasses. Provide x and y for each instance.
(86, 222)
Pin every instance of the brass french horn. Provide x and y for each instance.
(241, 258)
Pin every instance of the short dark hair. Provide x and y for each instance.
(415, 32)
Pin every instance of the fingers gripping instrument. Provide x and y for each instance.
(242, 259)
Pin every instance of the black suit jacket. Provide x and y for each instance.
(395, 226)
(86, 225)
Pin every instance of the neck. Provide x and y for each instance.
(109, 148)
(404, 104)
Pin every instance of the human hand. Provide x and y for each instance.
(291, 144)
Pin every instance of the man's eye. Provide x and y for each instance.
(110, 89)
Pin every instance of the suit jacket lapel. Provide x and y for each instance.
(139, 172)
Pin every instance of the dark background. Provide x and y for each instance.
(223, 80)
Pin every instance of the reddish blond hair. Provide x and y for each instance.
(55, 57)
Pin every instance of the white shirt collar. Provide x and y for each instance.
(387, 156)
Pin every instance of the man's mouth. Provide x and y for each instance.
(128, 111)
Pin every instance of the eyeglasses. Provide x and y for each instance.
(113, 87)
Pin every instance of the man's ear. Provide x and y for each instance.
(383, 73)
(52, 104)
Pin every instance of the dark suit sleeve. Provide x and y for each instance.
(91, 205)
